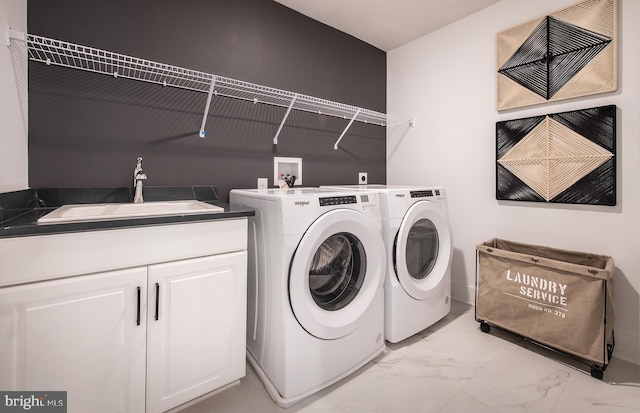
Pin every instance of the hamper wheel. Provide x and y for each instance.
(597, 372)
(484, 327)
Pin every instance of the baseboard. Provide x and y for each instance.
(463, 293)
(627, 347)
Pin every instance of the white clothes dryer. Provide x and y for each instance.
(315, 286)
(418, 240)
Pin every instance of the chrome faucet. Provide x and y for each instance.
(138, 177)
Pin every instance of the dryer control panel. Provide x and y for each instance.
(425, 193)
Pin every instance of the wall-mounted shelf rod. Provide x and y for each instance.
(66, 54)
(286, 115)
(212, 85)
(335, 145)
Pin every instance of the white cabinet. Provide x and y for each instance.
(79, 335)
(195, 328)
(166, 330)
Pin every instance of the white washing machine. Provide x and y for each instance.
(315, 286)
(418, 240)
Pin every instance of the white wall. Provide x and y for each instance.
(13, 129)
(446, 82)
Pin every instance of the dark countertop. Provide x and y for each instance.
(20, 210)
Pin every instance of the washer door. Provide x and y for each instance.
(336, 273)
(422, 249)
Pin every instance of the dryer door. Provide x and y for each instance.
(336, 273)
(422, 249)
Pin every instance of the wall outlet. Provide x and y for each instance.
(263, 183)
(362, 178)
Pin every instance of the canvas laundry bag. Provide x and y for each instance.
(563, 299)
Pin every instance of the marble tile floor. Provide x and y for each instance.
(453, 367)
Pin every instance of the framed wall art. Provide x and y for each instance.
(565, 157)
(567, 54)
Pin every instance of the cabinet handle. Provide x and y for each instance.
(157, 299)
(138, 311)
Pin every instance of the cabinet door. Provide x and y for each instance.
(78, 335)
(196, 328)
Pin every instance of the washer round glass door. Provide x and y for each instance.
(336, 273)
(422, 249)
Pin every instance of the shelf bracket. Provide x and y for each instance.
(335, 145)
(14, 34)
(286, 115)
(203, 133)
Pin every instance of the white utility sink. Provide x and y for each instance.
(100, 212)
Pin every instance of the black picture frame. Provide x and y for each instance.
(592, 130)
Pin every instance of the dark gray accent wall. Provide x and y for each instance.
(86, 130)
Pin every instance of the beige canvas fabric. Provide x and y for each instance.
(563, 299)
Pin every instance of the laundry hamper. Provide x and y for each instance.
(560, 299)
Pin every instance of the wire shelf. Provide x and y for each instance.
(71, 55)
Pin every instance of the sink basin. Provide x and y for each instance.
(100, 212)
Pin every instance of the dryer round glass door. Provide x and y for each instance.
(336, 273)
(422, 249)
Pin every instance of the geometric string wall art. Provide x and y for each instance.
(566, 54)
(564, 157)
